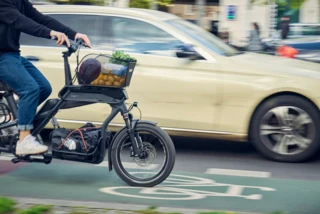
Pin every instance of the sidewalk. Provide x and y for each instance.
(80, 207)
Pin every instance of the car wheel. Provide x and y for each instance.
(286, 128)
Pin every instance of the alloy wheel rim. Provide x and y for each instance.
(287, 130)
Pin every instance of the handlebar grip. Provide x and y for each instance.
(56, 38)
(79, 41)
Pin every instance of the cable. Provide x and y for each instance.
(140, 112)
(137, 108)
(77, 68)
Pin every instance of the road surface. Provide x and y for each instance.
(207, 175)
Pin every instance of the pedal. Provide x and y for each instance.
(47, 158)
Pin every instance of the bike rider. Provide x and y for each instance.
(33, 88)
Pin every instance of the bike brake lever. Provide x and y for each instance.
(135, 104)
(81, 42)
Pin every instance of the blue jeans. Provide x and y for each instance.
(32, 87)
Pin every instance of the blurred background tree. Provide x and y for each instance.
(140, 4)
(146, 4)
(160, 4)
(293, 4)
(289, 8)
(79, 2)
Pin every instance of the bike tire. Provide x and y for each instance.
(167, 169)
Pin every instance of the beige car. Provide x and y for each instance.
(190, 82)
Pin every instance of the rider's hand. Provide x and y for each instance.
(84, 37)
(61, 38)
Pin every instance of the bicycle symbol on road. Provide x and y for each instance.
(182, 187)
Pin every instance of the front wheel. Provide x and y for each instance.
(151, 168)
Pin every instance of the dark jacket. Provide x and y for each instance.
(18, 16)
(285, 28)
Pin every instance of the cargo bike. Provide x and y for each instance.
(137, 139)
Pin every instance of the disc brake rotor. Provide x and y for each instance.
(151, 155)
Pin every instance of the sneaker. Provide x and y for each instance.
(30, 146)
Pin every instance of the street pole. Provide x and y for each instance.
(200, 12)
(273, 16)
(153, 5)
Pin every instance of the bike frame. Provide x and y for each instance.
(117, 106)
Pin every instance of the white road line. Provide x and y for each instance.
(242, 173)
(127, 165)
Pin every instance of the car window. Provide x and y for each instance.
(203, 36)
(136, 36)
(91, 25)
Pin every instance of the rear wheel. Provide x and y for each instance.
(286, 128)
(151, 168)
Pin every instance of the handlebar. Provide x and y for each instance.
(73, 45)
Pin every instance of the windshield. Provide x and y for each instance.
(204, 37)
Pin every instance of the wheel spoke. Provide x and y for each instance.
(281, 146)
(301, 141)
(287, 130)
(282, 115)
(268, 130)
(301, 120)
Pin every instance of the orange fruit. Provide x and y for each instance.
(117, 78)
(122, 81)
(105, 77)
(100, 77)
(116, 83)
(100, 82)
(111, 79)
(107, 83)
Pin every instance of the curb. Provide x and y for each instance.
(113, 206)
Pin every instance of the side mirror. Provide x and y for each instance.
(187, 51)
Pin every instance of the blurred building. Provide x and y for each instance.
(188, 9)
(235, 16)
(310, 12)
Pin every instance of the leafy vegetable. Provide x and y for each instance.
(121, 58)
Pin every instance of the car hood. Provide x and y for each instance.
(275, 65)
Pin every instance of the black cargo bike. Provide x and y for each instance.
(90, 144)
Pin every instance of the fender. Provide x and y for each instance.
(134, 124)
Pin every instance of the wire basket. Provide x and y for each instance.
(105, 71)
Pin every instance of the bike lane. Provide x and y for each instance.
(188, 190)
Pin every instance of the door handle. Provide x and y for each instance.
(32, 58)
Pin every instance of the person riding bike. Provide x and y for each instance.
(17, 72)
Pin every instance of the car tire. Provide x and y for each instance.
(286, 129)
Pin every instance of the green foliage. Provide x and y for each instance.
(6, 205)
(164, 2)
(41, 209)
(118, 57)
(293, 4)
(147, 3)
(214, 213)
(79, 212)
(140, 4)
(80, 2)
